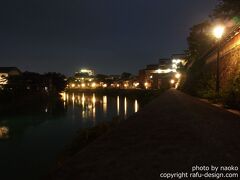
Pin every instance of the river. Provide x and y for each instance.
(31, 144)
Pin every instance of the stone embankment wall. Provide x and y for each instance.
(229, 60)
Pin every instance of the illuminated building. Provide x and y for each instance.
(83, 79)
(6, 72)
(155, 76)
(87, 71)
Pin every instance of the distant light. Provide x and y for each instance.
(176, 61)
(151, 77)
(93, 85)
(118, 85)
(83, 84)
(146, 84)
(178, 75)
(87, 71)
(172, 81)
(104, 85)
(73, 85)
(218, 31)
(174, 66)
(160, 71)
(136, 84)
(125, 85)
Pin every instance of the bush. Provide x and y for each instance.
(232, 95)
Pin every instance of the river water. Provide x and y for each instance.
(31, 144)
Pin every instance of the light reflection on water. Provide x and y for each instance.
(136, 106)
(4, 132)
(37, 139)
(125, 107)
(90, 104)
(118, 106)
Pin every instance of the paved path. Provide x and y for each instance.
(172, 133)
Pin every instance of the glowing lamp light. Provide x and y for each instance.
(146, 84)
(73, 85)
(178, 75)
(176, 61)
(218, 31)
(136, 84)
(83, 85)
(172, 81)
(104, 85)
(159, 71)
(174, 66)
(93, 85)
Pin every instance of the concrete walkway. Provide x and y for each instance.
(171, 134)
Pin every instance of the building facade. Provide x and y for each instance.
(6, 72)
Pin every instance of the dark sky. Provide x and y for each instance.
(110, 36)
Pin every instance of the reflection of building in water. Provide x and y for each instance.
(104, 104)
(94, 100)
(135, 106)
(118, 106)
(64, 97)
(67, 97)
(89, 105)
(4, 132)
(86, 103)
(94, 106)
(125, 107)
(83, 100)
(73, 99)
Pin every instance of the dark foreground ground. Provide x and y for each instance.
(171, 134)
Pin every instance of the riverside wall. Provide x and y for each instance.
(229, 60)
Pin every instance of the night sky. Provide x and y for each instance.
(110, 36)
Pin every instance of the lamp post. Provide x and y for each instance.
(218, 33)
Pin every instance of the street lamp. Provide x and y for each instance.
(218, 33)
(178, 75)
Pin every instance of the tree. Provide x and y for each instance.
(198, 82)
(126, 76)
(55, 81)
(33, 82)
(227, 9)
(199, 40)
(101, 77)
